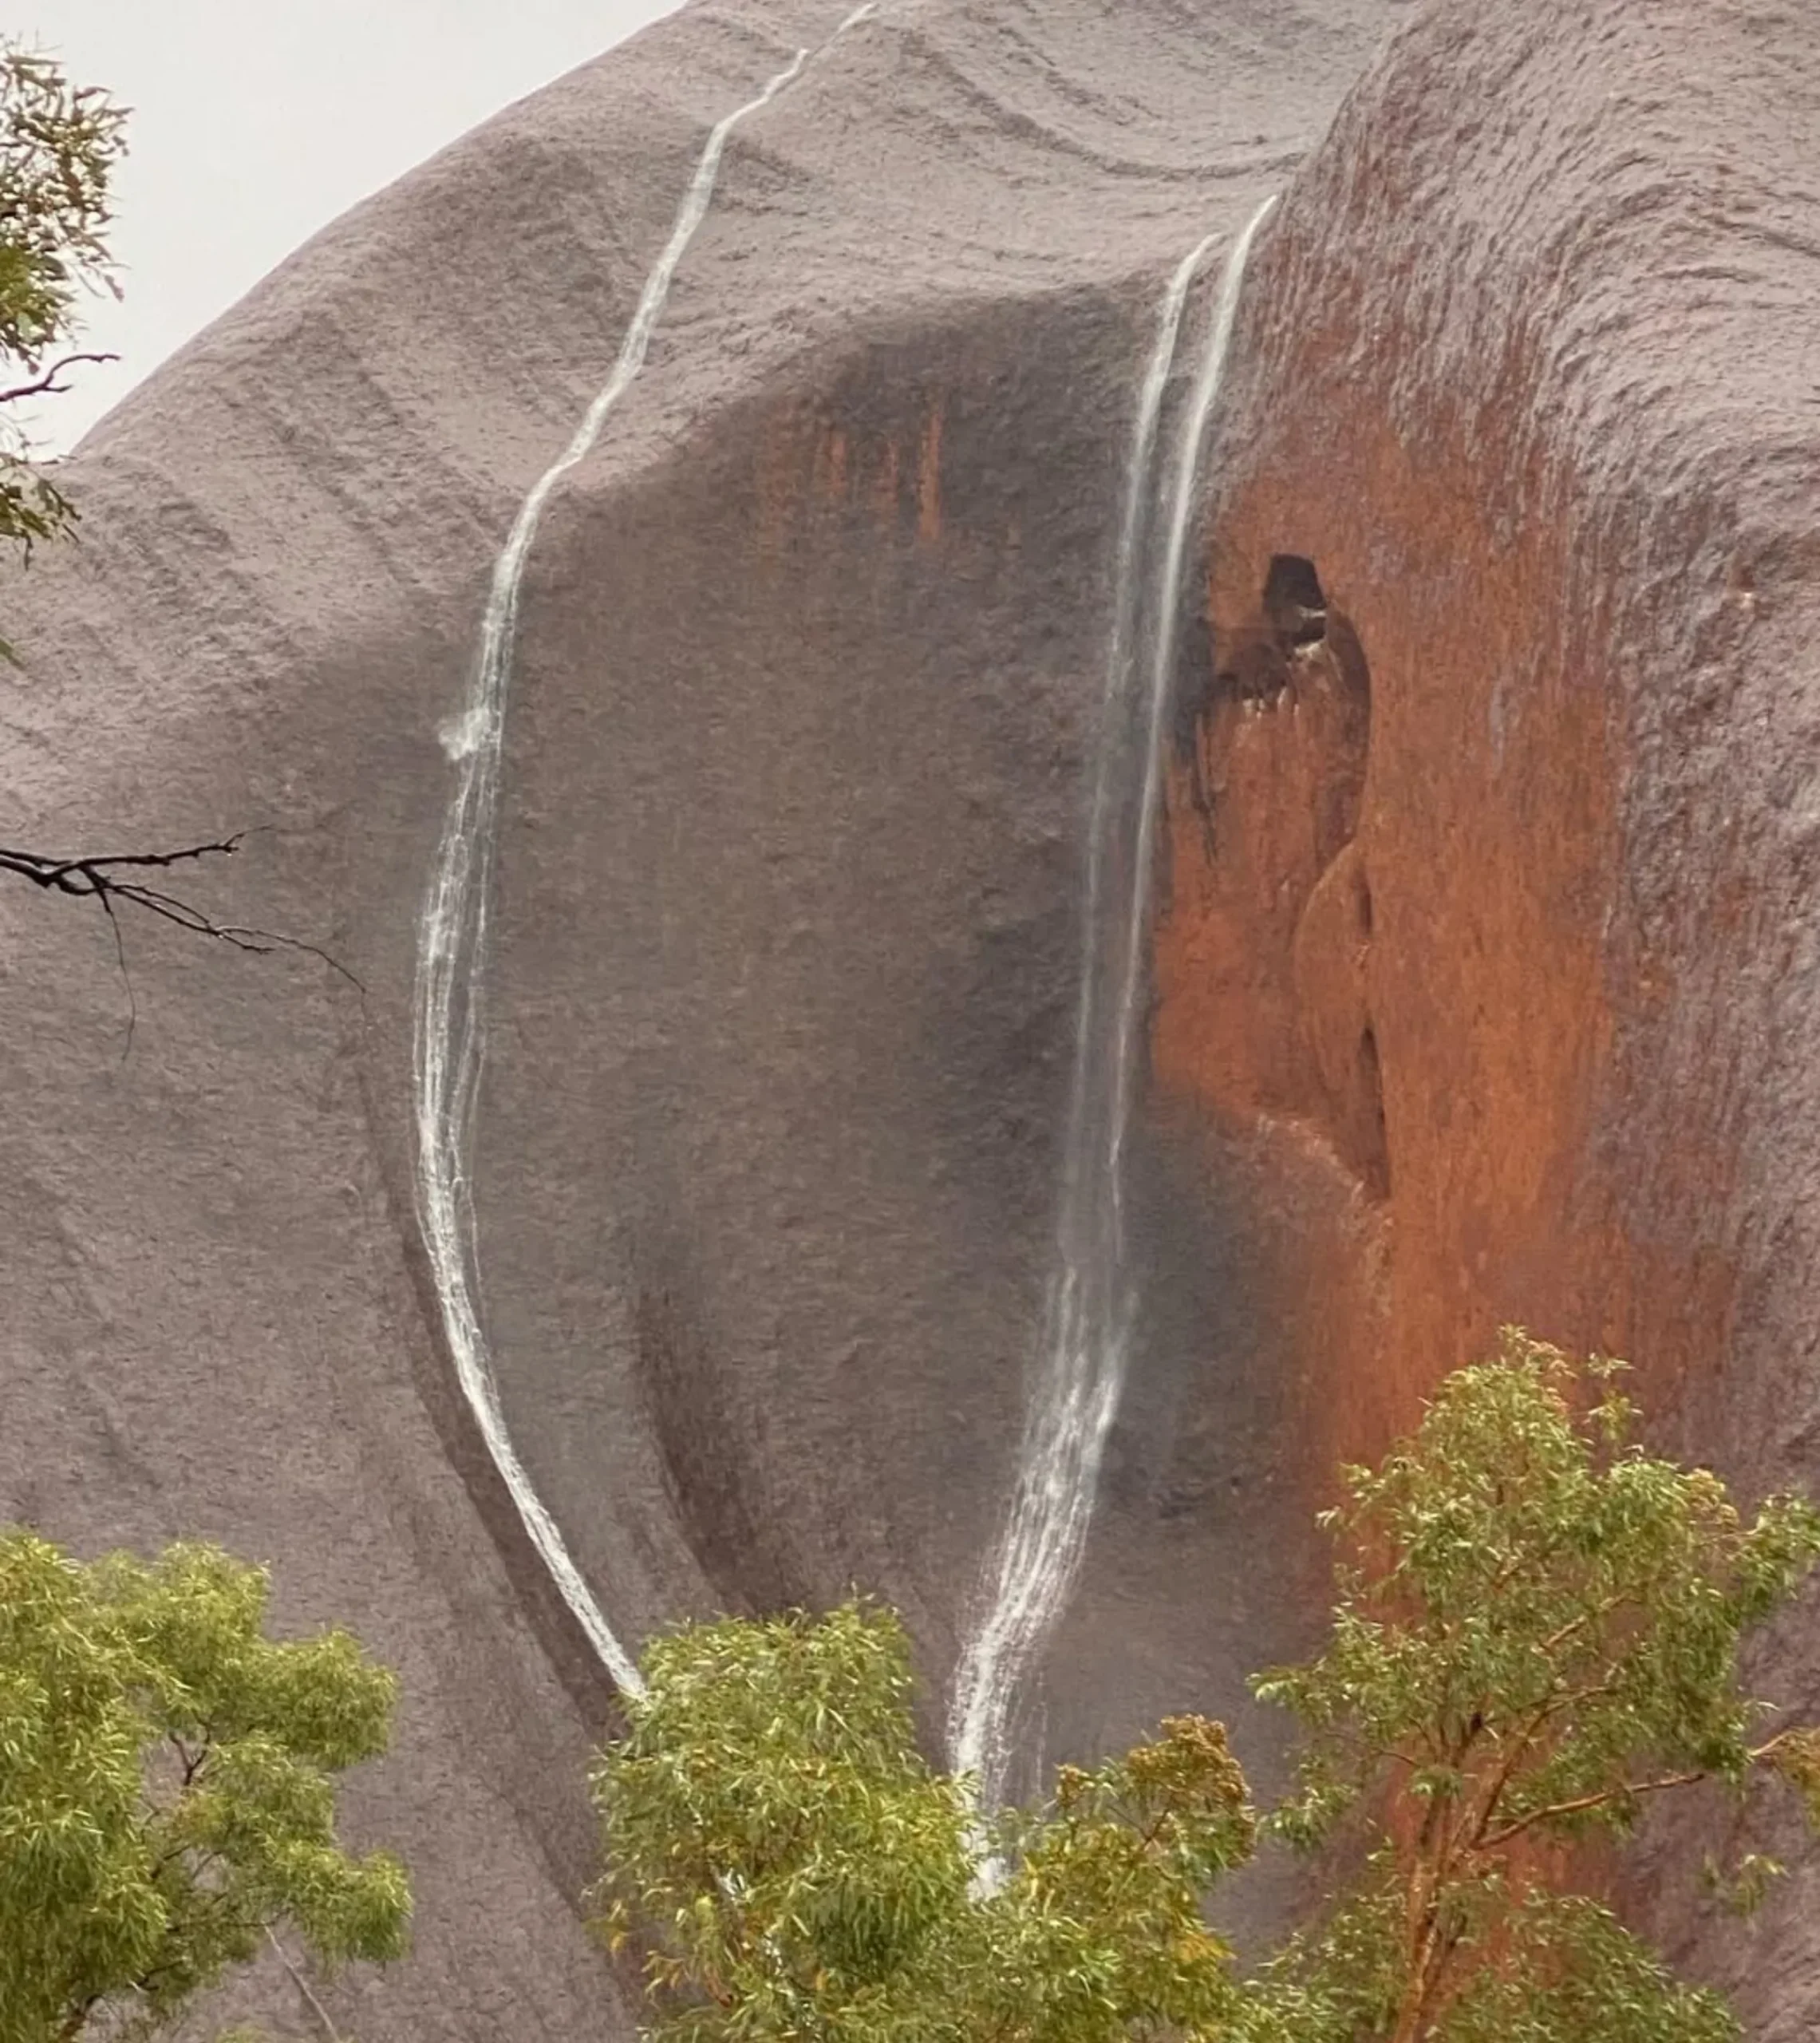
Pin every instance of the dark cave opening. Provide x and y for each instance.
(1295, 604)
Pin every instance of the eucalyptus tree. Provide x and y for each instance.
(59, 146)
(167, 1786)
(1536, 1637)
(792, 1867)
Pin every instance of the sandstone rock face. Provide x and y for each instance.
(779, 994)
(1481, 966)
(1489, 941)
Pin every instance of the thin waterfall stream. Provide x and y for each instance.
(449, 1037)
(1092, 1303)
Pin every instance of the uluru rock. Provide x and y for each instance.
(1480, 971)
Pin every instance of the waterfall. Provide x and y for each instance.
(451, 940)
(1090, 1306)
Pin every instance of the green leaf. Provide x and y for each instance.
(1536, 1633)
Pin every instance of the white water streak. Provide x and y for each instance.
(453, 928)
(1089, 1319)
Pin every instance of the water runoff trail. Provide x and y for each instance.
(1091, 1307)
(449, 1037)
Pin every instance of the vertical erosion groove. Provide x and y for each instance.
(449, 1034)
(1090, 1310)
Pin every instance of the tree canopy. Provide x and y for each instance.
(796, 1868)
(168, 1787)
(1536, 1635)
(60, 145)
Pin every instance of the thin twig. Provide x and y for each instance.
(126, 977)
(303, 1986)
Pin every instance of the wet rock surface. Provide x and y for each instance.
(1483, 967)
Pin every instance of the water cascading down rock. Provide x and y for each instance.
(450, 1037)
(1086, 1334)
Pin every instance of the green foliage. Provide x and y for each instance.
(1098, 1930)
(1537, 1632)
(769, 1814)
(60, 145)
(1533, 1967)
(167, 1787)
(795, 1869)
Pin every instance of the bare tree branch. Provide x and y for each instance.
(102, 880)
(47, 385)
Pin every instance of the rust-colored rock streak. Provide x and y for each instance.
(1491, 842)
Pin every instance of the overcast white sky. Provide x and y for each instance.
(255, 122)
